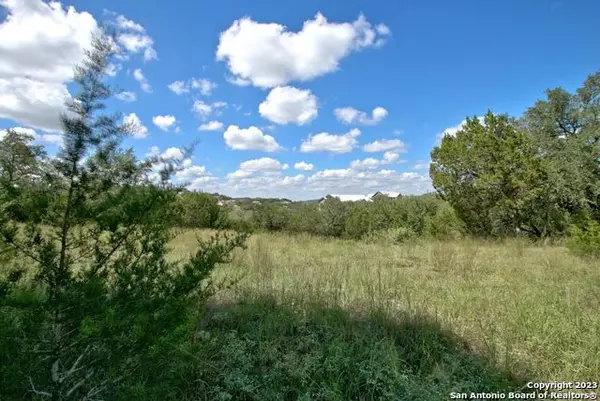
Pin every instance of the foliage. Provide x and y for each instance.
(444, 224)
(104, 301)
(490, 174)
(200, 210)
(21, 176)
(584, 238)
(270, 217)
(263, 350)
(530, 175)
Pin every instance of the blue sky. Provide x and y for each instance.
(398, 76)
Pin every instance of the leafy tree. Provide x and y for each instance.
(492, 175)
(333, 213)
(200, 210)
(105, 301)
(20, 174)
(270, 217)
(566, 131)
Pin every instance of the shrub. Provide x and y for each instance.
(444, 224)
(584, 239)
(200, 210)
(394, 235)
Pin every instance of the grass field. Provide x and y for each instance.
(453, 315)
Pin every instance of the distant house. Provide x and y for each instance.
(366, 198)
(387, 194)
(347, 198)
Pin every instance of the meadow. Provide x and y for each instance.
(457, 315)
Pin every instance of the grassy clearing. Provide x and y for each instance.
(528, 311)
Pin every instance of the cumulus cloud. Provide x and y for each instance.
(263, 164)
(325, 142)
(382, 145)
(173, 154)
(251, 138)
(132, 36)
(164, 122)
(32, 90)
(54, 139)
(268, 54)
(204, 86)
(138, 130)
(211, 126)
(352, 181)
(286, 104)
(126, 96)
(126, 24)
(303, 166)
(371, 163)
(179, 87)
(350, 115)
(139, 76)
(113, 69)
(205, 110)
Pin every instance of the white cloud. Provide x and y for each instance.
(371, 163)
(139, 76)
(32, 89)
(126, 96)
(113, 69)
(20, 130)
(250, 138)
(172, 154)
(138, 130)
(164, 122)
(133, 38)
(34, 103)
(353, 181)
(205, 110)
(367, 163)
(325, 142)
(211, 126)
(350, 115)
(190, 173)
(204, 86)
(179, 87)
(238, 81)
(381, 145)
(126, 24)
(54, 139)
(263, 164)
(286, 104)
(303, 166)
(268, 55)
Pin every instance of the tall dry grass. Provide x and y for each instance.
(531, 310)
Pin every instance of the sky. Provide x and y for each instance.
(295, 99)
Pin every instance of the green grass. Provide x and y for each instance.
(530, 312)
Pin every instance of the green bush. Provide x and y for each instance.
(200, 210)
(444, 224)
(584, 239)
(394, 235)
